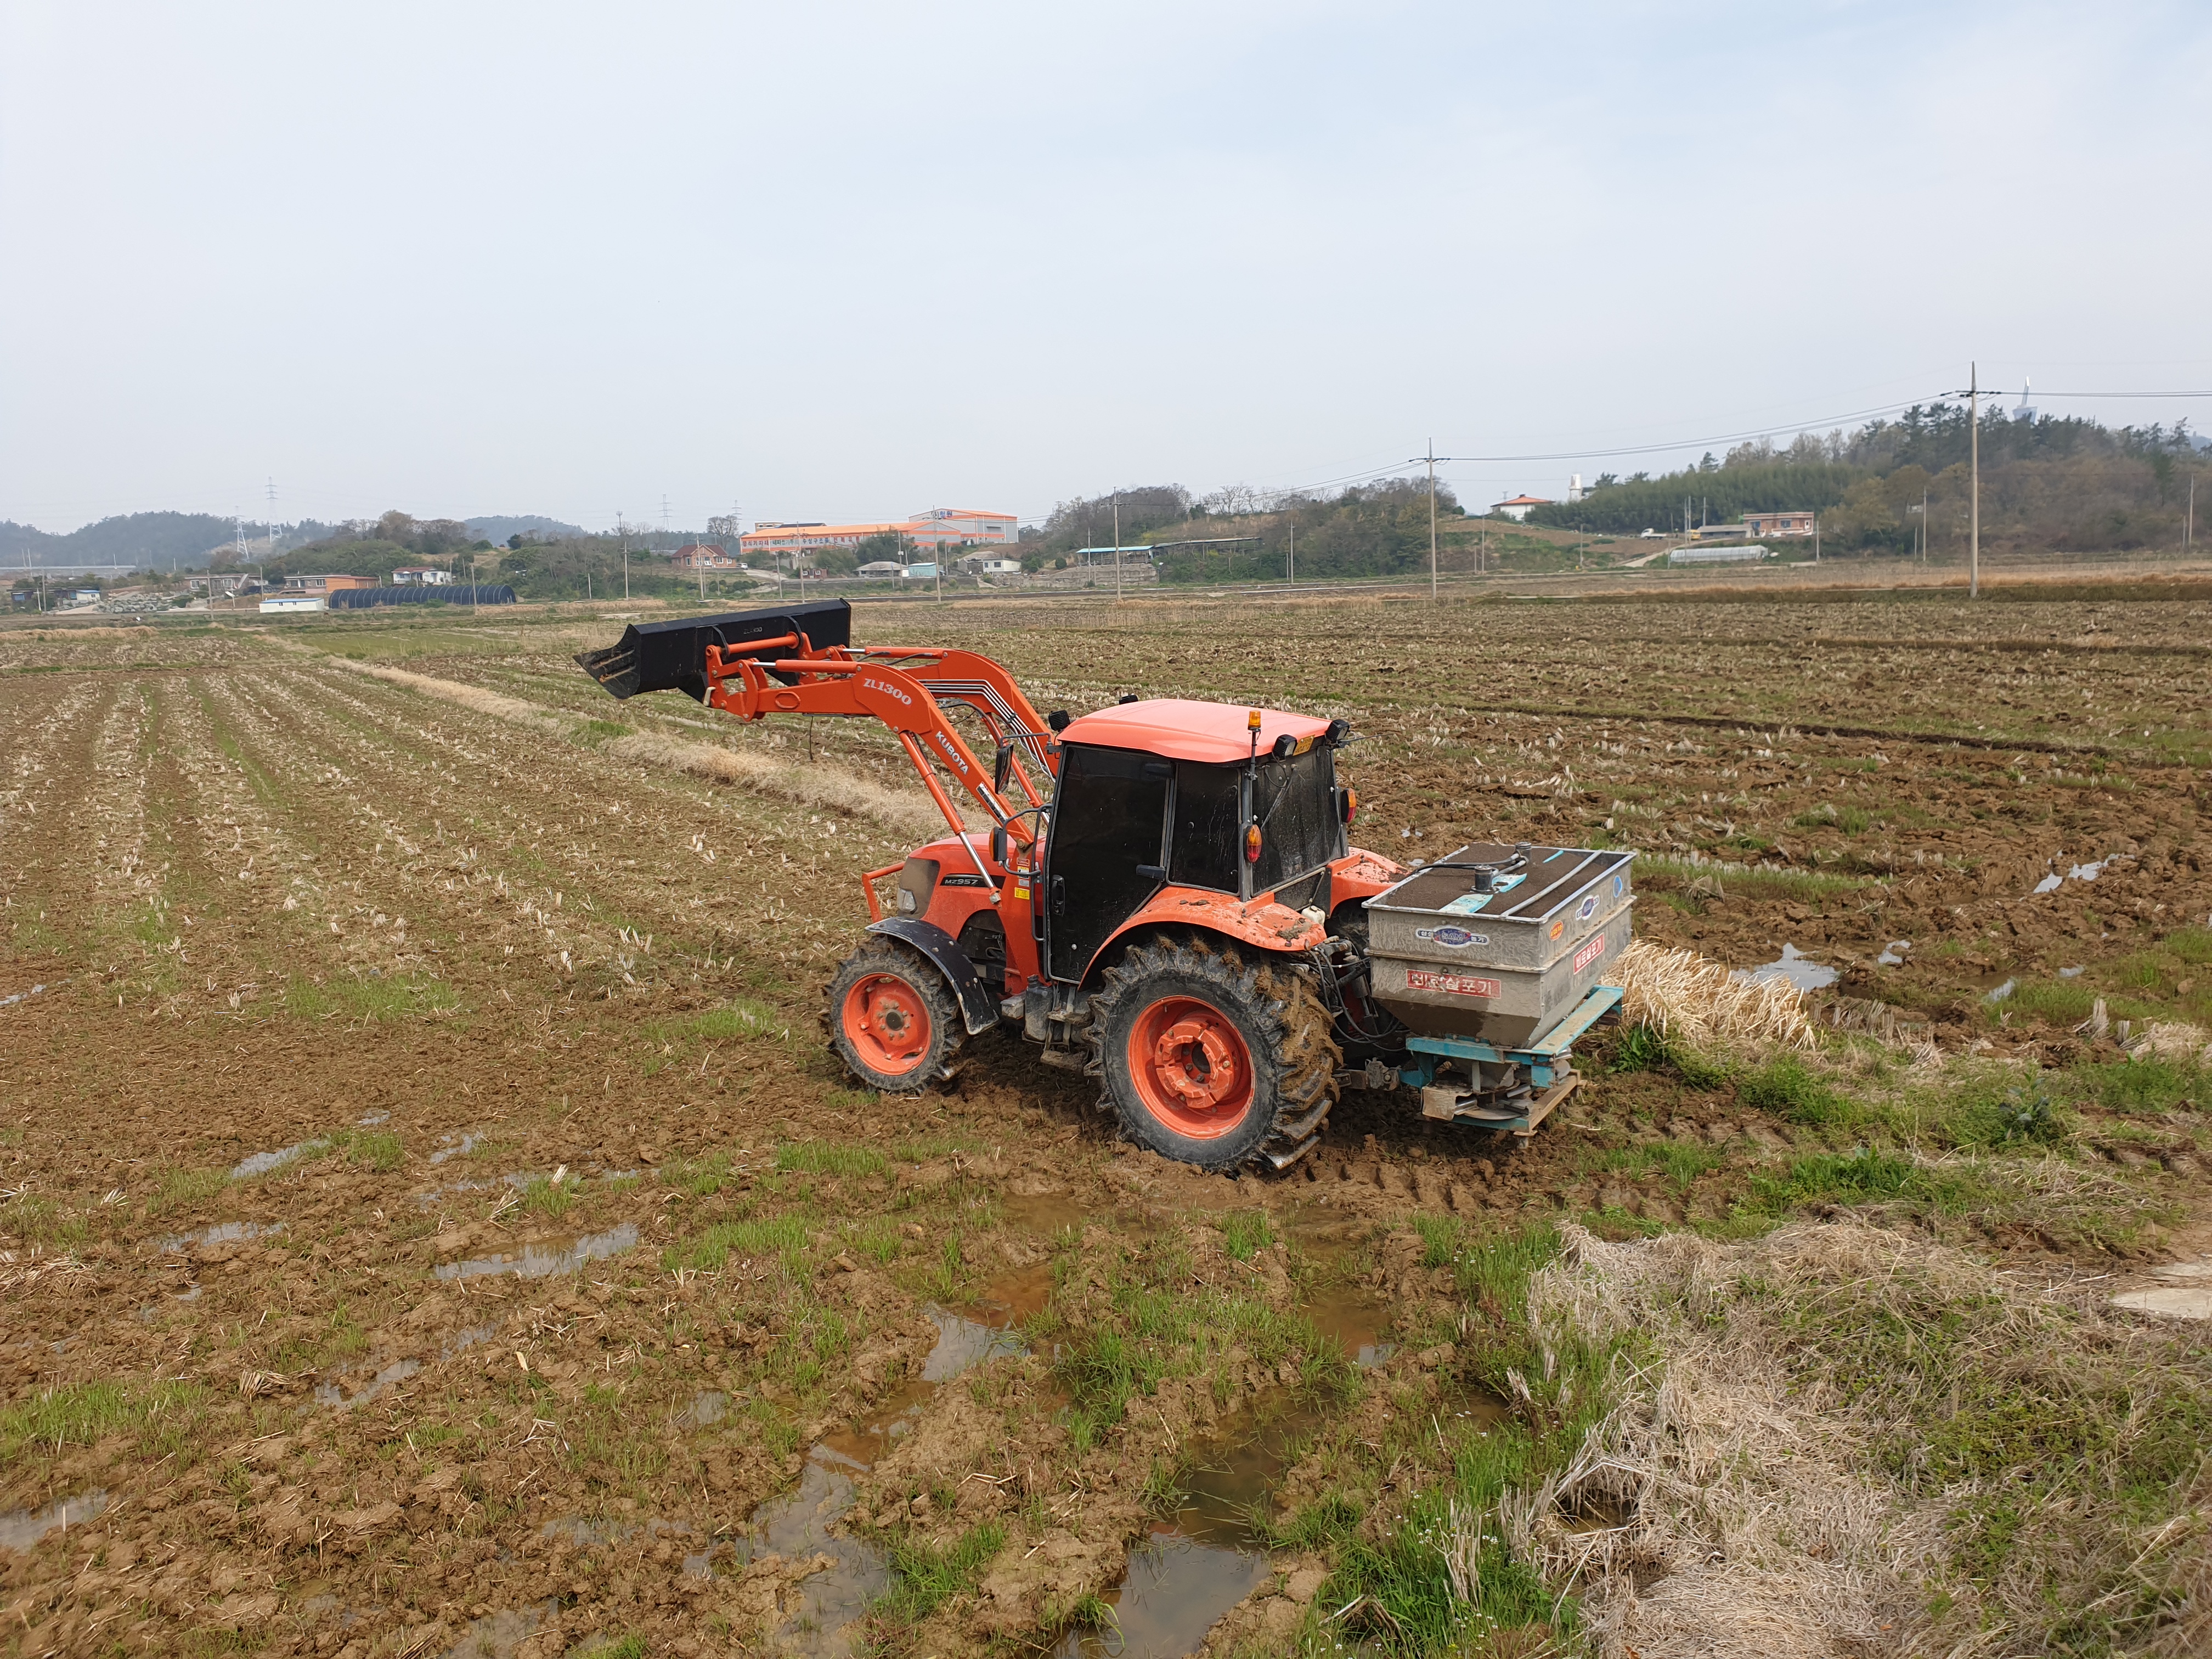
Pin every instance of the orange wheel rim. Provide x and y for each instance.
(887, 1022)
(1191, 1067)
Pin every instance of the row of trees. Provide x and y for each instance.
(2052, 482)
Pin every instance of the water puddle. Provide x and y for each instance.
(223, 1232)
(1893, 955)
(2183, 1290)
(330, 1394)
(450, 1148)
(2071, 973)
(2054, 881)
(1019, 1295)
(708, 1408)
(962, 1344)
(24, 996)
(537, 1261)
(1048, 1214)
(1355, 1321)
(20, 1528)
(803, 1524)
(1175, 1590)
(1799, 969)
(260, 1164)
(499, 1634)
(800, 1525)
(370, 1120)
(1999, 993)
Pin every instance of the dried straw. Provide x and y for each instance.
(1702, 1002)
(1757, 1499)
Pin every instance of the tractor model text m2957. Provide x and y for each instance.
(1165, 899)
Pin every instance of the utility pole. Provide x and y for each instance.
(1816, 538)
(272, 518)
(1431, 458)
(1117, 547)
(1291, 574)
(1974, 453)
(1924, 527)
(2189, 524)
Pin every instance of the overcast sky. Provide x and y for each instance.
(851, 261)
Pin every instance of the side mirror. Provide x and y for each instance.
(1058, 719)
(1002, 767)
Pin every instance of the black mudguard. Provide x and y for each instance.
(978, 1007)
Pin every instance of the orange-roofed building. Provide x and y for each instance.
(939, 527)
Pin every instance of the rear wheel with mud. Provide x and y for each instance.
(1211, 1059)
(892, 1019)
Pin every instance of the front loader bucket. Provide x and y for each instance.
(672, 656)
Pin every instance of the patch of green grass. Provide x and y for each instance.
(1245, 1233)
(173, 1188)
(702, 1177)
(2142, 1087)
(2057, 1001)
(1789, 1089)
(1156, 1323)
(380, 997)
(1863, 1176)
(876, 1238)
(1990, 1106)
(607, 1440)
(632, 1646)
(1404, 1572)
(1642, 1048)
(47, 1221)
(85, 1413)
(738, 1020)
(2192, 945)
(827, 1158)
(542, 1195)
(783, 1235)
(1681, 1164)
(594, 732)
(1324, 1524)
(924, 1577)
(380, 1150)
(1660, 873)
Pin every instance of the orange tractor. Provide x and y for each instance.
(1165, 899)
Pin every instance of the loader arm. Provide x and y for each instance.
(903, 687)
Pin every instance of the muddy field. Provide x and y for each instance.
(434, 1225)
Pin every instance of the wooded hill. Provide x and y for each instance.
(2050, 483)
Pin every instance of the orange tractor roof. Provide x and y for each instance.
(1211, 733)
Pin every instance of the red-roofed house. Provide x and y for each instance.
(1518, 509)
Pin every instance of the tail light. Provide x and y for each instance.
(1251, 843)
(1348, 803)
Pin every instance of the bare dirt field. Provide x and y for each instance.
(434, 1224)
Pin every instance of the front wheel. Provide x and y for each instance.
(892, 1019)
(1209, 1060)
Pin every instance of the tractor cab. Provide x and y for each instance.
(1171, 793)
